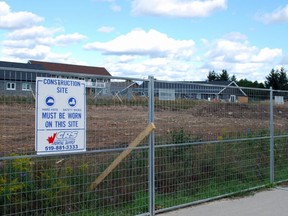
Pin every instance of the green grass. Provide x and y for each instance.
(183, 174)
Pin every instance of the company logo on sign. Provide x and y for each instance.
(63, 138)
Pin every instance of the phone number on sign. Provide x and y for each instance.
(61, 147)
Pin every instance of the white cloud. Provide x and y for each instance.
(141, 53)
(116, 8)
(18, 43)
(4, 8)
(37, 52)
(39, 48)
(284, 61)
(69, 39)
(140, 42)
(240, 51)
(235, 36)
(240, 58)
(126, 58)
(29, 40)
(178, 8)
(266, 55)
(62, 58)
(39, 35)
(160, 68)
(106, 29)
(279, 15)
(14, 20)
(32, 33)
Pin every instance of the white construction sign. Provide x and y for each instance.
(167, 94)
(279, 100)
(60, 115)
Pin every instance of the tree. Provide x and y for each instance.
(277, 79)
(258, 85)
(223, 76)
(212, 76)
(283, 80)
(250, 84)
(233, 78)
(245, 83)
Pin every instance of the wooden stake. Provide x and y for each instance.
(33, 95)
(123, 155)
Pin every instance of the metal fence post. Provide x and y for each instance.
(271, 138)
(151, 148)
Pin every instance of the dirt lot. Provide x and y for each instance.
(117, 125)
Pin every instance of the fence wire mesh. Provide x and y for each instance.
(280, 135)
(210, 141)
(59, 184)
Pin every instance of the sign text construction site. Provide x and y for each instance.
(60, 115)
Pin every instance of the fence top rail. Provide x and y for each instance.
(280, 91)
(84, 75)
(196, 83)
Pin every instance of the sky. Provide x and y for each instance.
(168, 39)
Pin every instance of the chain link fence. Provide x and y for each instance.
(210, 141)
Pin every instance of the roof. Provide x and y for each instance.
(215, 87)
(20, 74)
(123, 84)
(222, 83)
(60, 67)
(182, 85)
(20, 65)
(232, 84)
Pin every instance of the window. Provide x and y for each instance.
(26, 86)
(233, 98)
(100, 84)
(166, 94)
(11, 86)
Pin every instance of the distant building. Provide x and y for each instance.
(19, 78)
(216, 90)
(123, 89)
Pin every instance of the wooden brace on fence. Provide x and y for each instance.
(123, 155)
